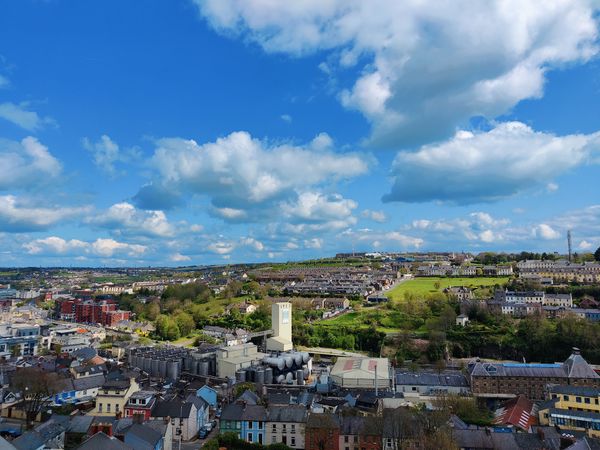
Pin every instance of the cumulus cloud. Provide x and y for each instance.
(178, 257)
(423, 70)
(20, 116)
(124, 218)
(106, 154)
(545, 231)
(286, 118)
(251, 180)
(26, 164)
(18, 215)
(221, 247)
(155, 196)
(252, 243)
(585, 245)
(375, 216)
(54, 245)
(387, 239)
(487, 166)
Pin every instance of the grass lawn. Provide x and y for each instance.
(217, 306)
(426, 285)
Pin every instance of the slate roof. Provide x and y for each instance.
(145, 433)
(175, 408)
(101, 441)
(295, 414)
(584, 391)
(239, 412)
(577, 367)
(43, 433)
(447, 378)
(91, 382)
(198, 401)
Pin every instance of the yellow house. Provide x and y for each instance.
(575, 408)
(113, 395)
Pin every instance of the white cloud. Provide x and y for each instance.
(545, 231)
(387, 239)
(552, 187)
(585, 245)
(27, 163)
(178, 257)
(124, 218)
(105, 152)
(286, 118)
(18, 215)
(252, 243)
(3, 81)
(240, 169)
(54, 245)
(376, 216)
(18, 115)
(465, 169)
(221, 247)
(318, 207)
(314, 243)
(423, 68)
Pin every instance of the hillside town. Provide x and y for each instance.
(85, 366)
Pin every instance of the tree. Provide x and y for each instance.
(36, 386)
(185, 322)
(597, 254)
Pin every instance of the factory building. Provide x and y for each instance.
(366, 373)
(281, 321)
(237, 357)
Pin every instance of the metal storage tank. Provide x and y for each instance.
(300, 377)
(187, 364)
(275, 362)
(173, 370)
(305, 357)
(154, 368)
(260, 376)
(240, 376)
(204, 368)
(289, 377)
(289, 361)
(147, 364)
(268, 375)
(281, 379)
(306, 372)
(297, 359)
(162, 368)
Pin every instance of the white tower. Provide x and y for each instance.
(281, 322)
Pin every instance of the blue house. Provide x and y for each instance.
(208, 394)
(202, 409)
(247, 421)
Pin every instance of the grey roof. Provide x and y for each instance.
(5, 445)
(297, 414)
(584, 391)
(175, 408)
(101, 441)
(574, 367)
(448, 378)
(577, 367)
(240, 412)
(249, 397)
(360, 425)
(91, 382)
(198, 401)
(145, 433)
(585, 444)
(37, 437)
(80, 424)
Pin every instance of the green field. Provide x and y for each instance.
(427, 285)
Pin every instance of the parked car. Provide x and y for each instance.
(203, 433)
(208, 426)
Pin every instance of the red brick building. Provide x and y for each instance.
(140, 402)
(322, 432)
(104, 312)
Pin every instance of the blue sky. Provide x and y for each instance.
(209, 131)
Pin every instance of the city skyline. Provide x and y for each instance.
(207, 132)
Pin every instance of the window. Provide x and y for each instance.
(293, 442)
(99, 407)
(586, 400)
(345, 438)
(249, 439)
(566, 398)
(274, 428)
(578, 399)
(108, 407)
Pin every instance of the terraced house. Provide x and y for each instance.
(575, 408)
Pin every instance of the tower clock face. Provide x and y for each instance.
(285, 316)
